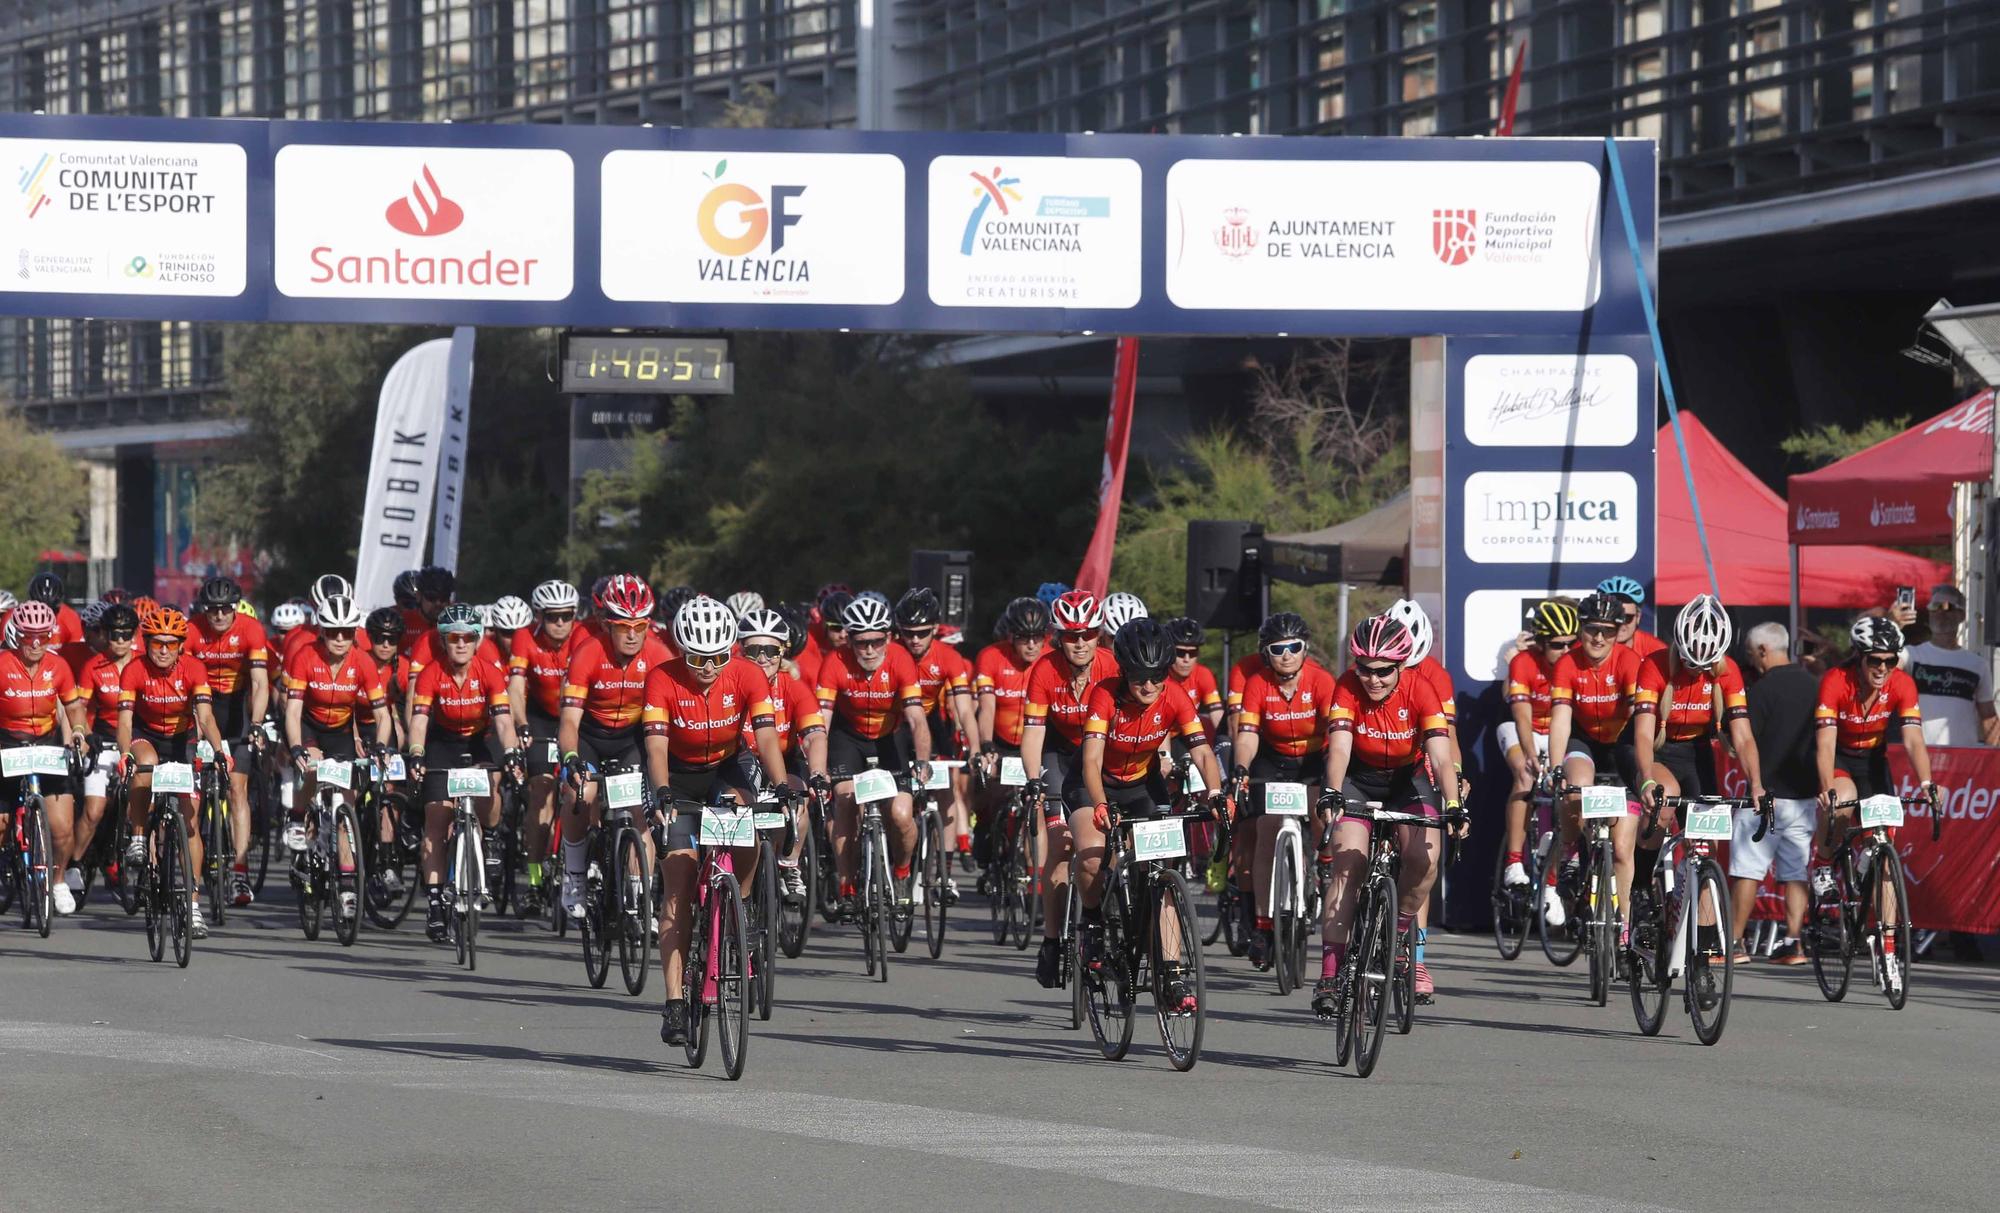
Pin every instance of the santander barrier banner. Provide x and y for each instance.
(1954, 882)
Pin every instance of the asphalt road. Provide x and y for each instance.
(280, 1074)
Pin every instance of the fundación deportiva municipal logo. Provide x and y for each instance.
(1455, 235)
(424, 210)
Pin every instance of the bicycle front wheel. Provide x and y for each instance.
(221, 845)
(795, 914)
(634, 877)
(934, 877)
(763, 913)
(1511, 908)
(1175, 930)
(1284, 917)
(150, 893)
(1827, 931)
(346, 833)
(179, 885)
(1652, 945)
(1106, 978)
(1603, 924)
(1374, 968)
(39, 871)
(732, 975)
(1895, 939)
(600, 918)
(1403, 991)
(1708, 974)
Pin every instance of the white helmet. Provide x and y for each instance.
(742, 602)
(761, 622)
(7, 601)
(510, 614)
(340, 614)
(869, 612)
(1121, 608)
(1874, 634)
(288, 615)
(1702, 631)
(553, 595)
(329, 587)
(704, 627)
(1417, 624)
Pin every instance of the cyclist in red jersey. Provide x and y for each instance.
(99, 687)
(47, 588)
(1384, 724)
(233, 649)
(1281, 728)
(326, 684)
(874, 711)
(945, 679)
(536, 665)
(39, 706)
(458, 712)
(1194, 679)
(163, 708)
(828, 632)
(1630, 596)
(1524, 737)
(604, 696)
(697, 708)
(1127, 722)
(768, 642)
(1686, 695)
(1057, 703)
(1425, 666)
(1593, 693)
(1000, 679)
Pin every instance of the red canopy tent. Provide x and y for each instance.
(1746, 529)
(1906, 482)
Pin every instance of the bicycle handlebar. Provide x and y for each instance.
(1934, 809)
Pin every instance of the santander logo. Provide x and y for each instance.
(424, 211)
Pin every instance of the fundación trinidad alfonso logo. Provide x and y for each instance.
(992, 191)
(31, 184)
(1455, 235)
(1235, 236)
(424, 210)
(744, 209)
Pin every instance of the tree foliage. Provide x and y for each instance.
(45, 501)
(1831, 443)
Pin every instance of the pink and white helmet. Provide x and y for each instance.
(1382, 638)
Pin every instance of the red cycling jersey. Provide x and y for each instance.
(427, 651)
(1529, 680)
(393, 678)
(1389, 734)
(612, 693)
(1294, 725)
(1199, 686)
(1248, 664)
(999, 674)
(464, 706)
(1601, 697)
(100, 685)
(1693, 696)
(415, 624)
(866, 704)
(810, 659)
(1433, 672)
(229, 655)
(544, 666)
(331, 690)
(704, 725)
(941, 671)
(28, 697)
(1860, 722)
(797, 713)
(1054, 700)
(1645, 644)
(162, 702)
(298, 638)
(1133, 732)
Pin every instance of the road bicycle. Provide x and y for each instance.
(31, 867)
(1011, 882)
(1862, 899)
(1589, 891)
(875, 880)
(218, 833)
(933, 891)
(1296, 890)
(1516, 908)
(395, 864)
(717, 977)
(1681, 923)
(465, 860)
(618, 884)
(322, 883)
(795, 914)
(166, 885)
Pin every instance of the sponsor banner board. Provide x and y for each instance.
(1551, 400)
(1034, 231)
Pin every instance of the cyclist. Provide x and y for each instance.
(1053, 716)
(1121, 608)
(458, 708)
(47, 589)
(39, 705)
(1281, 733)
(1630, 596)
(100, 686)
(744, 602)
(325, 683)
(409, 605)
(1593, 694)
(325, 588)
(234, 651)
(604, 695)
(1858, 703)
(1426, 666)
(830, 630)
(164, 705)
(1385, 721)
(767, 641)
(1688, 692)
(861, 689)
(287, 617)
(1524, 737)
(1126, 724)
(1194, 679)
(945, 679)
(1000, 673)
(385, 632)
(436, 587)
(697, 708)
(536, 664)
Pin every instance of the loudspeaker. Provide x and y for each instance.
(949, 575)
(1225, 574)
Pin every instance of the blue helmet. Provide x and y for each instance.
(1049, 591)
(1623, 587)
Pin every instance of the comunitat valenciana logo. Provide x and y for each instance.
(1455, 235)
(423, 211)
(31, 184)
(735, 219)
(1054, 226)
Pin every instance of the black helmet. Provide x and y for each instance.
(218, 592)
(832, 606)
(797, 615)
(672, 599)
(918, 608)
(119, 618)
(406, 591)
(1185, 632)
(436, 581)
(45, 588)
(1024, 618)
(1143, 650)
(1601, 608)
(385, 624)
(1283, 626)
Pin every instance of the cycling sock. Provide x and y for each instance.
(241, 869)
(902, 871)
(1329, 959)
(1418, 955)
(1519, 857)
(534, 876)
(1263, 922)
(576, 858)
(1403, 922)
(1888, 943)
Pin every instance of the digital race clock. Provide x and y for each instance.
(662, 363)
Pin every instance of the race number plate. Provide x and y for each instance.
(554, 758)
(1708, 821)
(34, 760)
(270, 730)
(395, 768)
(770, 821)
(624, 791)
(203, 751)
(873, 785)
(1012, 773)
(1194, 784)
(335, 772)
(1881, 811)
(1603, 802)
(173, 778)
(1158, 840)
(940, 780)
(466, 781)
(1285, 799)
(724, 828)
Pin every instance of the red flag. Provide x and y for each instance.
(1513, 95)
(1095, 572)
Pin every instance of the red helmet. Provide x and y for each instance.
(33, 620)
(1077, 611)
(628, 597)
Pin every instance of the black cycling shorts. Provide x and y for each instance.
(167, 749)
(599, 749)
(1395, 788)
(1869, 769)
(1269, 767)
(331, 743)
(542, 755)
(444, 754)
(1608, 757)
(847, 753)
(1142, 799)
(1692, 764)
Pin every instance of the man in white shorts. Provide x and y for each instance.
(1781, 719)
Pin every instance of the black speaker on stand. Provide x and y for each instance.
(1225, 575)
(949, 575)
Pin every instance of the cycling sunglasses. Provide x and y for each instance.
(121, 635)
(1078, 636)
(1880, 663)
(1146, 678)
(1633, 618)
(916, 634)
(1558, 642)
(558, 616)
(762, 652)
(705, 661)
(868, 642)
(1187, 652)
(1285, 648)
(629, 625)
(1602, 631)
(1376, 672)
